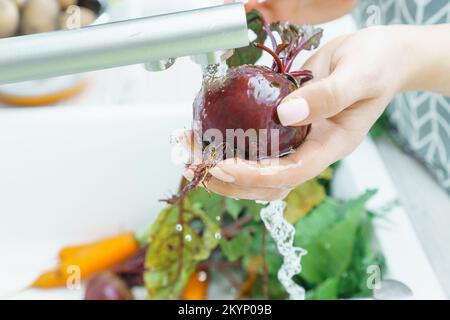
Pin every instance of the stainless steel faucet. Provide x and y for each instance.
(206, 34)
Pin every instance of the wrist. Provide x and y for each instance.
(425, 56)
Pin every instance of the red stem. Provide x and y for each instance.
(270, 35)
(231, 230)
(274, 55)
(301, 73)
(293, 57)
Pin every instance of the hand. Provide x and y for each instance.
(301, 11)
(356, 76)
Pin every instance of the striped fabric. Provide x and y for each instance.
(421, 120)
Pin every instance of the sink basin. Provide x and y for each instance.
(84, 175)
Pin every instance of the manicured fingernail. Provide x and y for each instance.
(221, 175)
(293, 111)
(189, 174)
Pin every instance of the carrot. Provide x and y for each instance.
(49, 279)
(90, 259)
(101, 255)
(67, 252)
(197, 287)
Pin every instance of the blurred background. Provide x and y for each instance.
(86, 156)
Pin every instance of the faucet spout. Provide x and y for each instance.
(207, 34)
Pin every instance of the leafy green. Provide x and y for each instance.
(338, 236)
(172, 258)
(353, 281)
(302, 199)
(213, 205)
(237, 247)
(327, 290)
(328, 234)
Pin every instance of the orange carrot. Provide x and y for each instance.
(67, 252)
(90, 259)
(197, 286)
(49, 279)
(101, 255)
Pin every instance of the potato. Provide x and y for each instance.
(40, 16)
(9, 18)
(76, 17)
(67, 3)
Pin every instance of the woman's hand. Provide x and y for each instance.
(301, 11)
(356, 76)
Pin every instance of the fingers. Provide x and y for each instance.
(239, 192)
(328, 142)
(249, 4)
(326, 97)
(288, 172)
(320, 63)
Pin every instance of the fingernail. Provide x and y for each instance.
(221, 175)
(189, 174)
(293, 111)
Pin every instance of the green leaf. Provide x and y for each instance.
(353, 281)
(313, 34)
(172, 258)
(328, 234)
(233, 207)
(211, 203)
(302, 199)
(250, 54)
(237, 207)
(237, 247)
(327, 290)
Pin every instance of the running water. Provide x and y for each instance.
(214, 72)
(283, 234)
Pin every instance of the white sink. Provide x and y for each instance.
(90, 174)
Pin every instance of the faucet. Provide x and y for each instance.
(208, 35)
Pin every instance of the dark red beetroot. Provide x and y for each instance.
(247, 96)
(248, 99)
(107, 286)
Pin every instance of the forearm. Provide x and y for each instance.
(427, 51)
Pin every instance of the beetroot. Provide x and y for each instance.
(248, 100)
(237, 111)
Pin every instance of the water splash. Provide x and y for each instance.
(214, 72)
(283, 234)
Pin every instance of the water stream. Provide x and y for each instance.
(283, 234)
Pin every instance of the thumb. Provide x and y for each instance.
(320, 100)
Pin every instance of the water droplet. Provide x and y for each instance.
(202, 276)
(218, 236)
(188, 237)
(179, 227)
